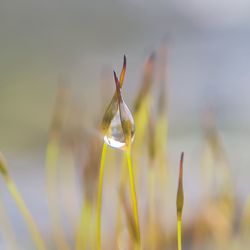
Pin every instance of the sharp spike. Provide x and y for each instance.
(122, 75)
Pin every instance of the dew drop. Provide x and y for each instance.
(115, 136)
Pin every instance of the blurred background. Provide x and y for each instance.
(44, 43)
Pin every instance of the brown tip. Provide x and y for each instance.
(116, 80)
(181, 166)
(122, 75)
(118, 87)
(152, 56)
(149, 66)
(124, 61)
(180, 194)
(182, 157)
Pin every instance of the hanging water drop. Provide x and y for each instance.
(114, 136)
(118, 125)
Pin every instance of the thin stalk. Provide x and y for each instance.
(8, 234)
(179, 232)
(152, 229)
(99, 197)
(51, 167)
(122, 182)
(133, 196)
(83, 231)
(40, 245)
(180, 203)
(26, 214)
(69, 180)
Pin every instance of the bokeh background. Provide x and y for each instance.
(45, 42)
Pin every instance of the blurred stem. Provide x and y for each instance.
(141, 120)
(180, 202)
(161, 142)
(179, 232)
(245, 220)
(151, 182)
(23, 209)
(83, 233)
(40, 245)
(68, 179)
(123, 179)
(99, 197)
(133, 195)
(52, 155)
(9, 237)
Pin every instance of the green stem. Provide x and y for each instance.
(133, 196)
(99, 197)
(151, 182)
(83, 231)
(122, 182)
(179, 231)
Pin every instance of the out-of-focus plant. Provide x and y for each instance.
(180, 203)
(214, 225)
(51, 164)
(11, 186)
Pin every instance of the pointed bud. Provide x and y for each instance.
(118, 123)
(127, 121)
(113, 106)
(180, 194)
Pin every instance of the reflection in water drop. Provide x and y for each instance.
(114, 136)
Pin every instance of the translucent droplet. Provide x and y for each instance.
(115, 136)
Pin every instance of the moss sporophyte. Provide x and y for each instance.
(118, 129)
(180, 203)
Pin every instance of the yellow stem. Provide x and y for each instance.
(179, 231)
(123, 179)
(26, 214)
(151, 184)
(133, 196)
(8, 235)
(83, 231)
(99, 197)
(21, 205)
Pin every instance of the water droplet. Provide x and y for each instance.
(114, 136)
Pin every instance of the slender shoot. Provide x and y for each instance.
(83, 230)
(180, 203)
(51, 167)
(133, 195)
(99, 197)
(40, 245)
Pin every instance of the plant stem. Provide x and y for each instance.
(133, 195)
(21, 205)
(179, 231)
(8, 236)
(180, 202)
(83, 231)
(99, 197)
(151, 184)
(26, 214)
(122, 183)
(51, 168)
